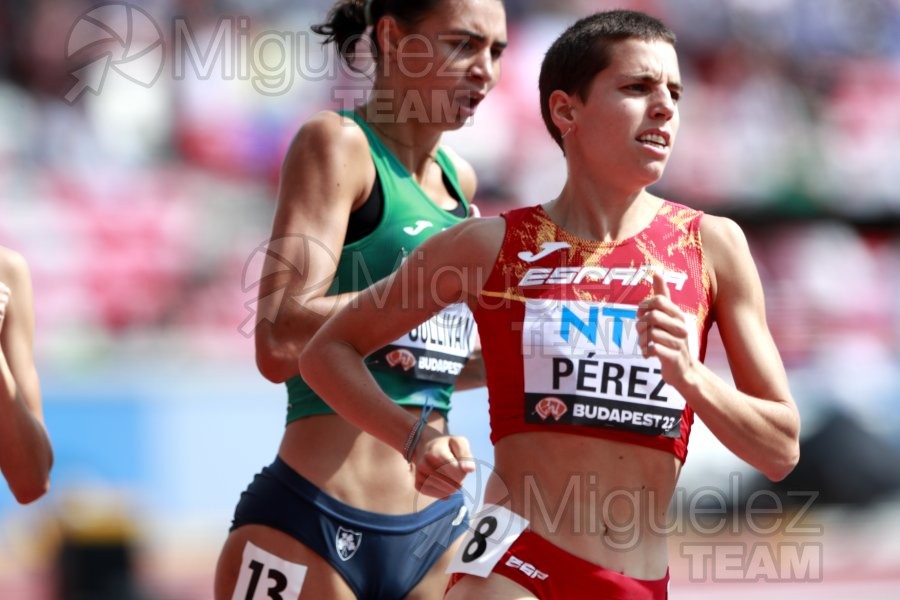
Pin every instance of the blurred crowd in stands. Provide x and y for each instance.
(140, 207)
(142, 193)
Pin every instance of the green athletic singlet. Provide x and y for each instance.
(422, 365)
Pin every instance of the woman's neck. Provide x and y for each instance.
(602, 214)
(414, 145)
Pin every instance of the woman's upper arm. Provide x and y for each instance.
(739, 308)
(448, 268)
(323, 176)
(17, 333)
(326, 172)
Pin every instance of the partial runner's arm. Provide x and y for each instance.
(758, 420)
(446, 269)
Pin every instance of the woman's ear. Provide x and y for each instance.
(389, 35)
(562, 111)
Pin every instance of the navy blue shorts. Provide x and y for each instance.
(379, 556)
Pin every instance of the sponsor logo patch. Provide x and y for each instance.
(418, 228)
(551, 407)
(402, 357)
(525, 567)
(547, 248)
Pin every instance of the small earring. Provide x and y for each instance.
(567, 132)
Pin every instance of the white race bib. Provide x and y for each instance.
(583, 366)
(436, 350)
(264, 576)
(491, 532)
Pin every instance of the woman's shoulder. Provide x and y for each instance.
(12, 264)
(328, 163)
(465, 172)
(727, 253)
(330, 134)
(721, 234)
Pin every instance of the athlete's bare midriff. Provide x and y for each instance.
(601, 500)
(353, 466)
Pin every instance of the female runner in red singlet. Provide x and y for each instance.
(593, 311)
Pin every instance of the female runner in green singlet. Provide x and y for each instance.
(337, 515)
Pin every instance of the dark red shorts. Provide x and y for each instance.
(551, 573)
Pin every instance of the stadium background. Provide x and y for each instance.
(141, 209)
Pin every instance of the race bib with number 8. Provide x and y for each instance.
(491, 532)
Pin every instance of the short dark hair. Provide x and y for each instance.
(585, 49)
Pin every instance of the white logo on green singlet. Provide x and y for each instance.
(418, 228)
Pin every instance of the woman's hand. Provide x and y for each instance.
(442, 463)
(663, 333)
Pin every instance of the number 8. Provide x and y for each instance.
(478, 544)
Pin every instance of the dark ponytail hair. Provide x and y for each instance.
(346, 22)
